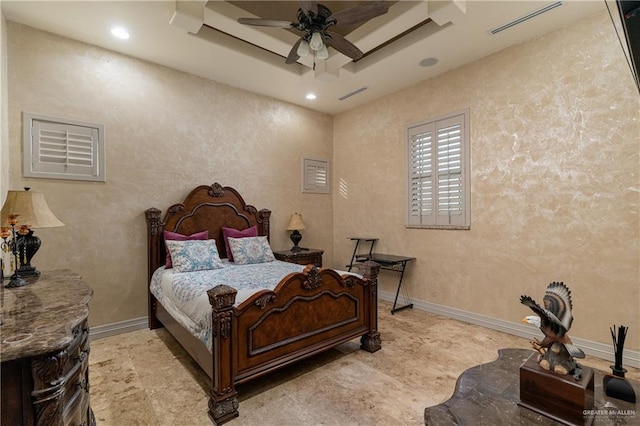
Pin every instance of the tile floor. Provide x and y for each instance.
(145, 378)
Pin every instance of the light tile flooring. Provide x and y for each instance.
(145, 378)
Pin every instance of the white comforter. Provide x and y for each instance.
(184, 295)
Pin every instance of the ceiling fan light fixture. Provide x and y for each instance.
(314, 20)
(322, 53)
(316, 41)
(303, 48)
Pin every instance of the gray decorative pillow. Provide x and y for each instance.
(194, 255)
(251, 250)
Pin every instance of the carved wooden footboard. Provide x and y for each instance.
(305, 314)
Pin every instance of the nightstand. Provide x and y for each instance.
(302, 257)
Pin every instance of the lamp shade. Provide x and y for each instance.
(322, 53)
(316, 41)
(296, 223)
(303, 49)
(31, 208)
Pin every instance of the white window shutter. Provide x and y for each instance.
(421, 166)
(63, 149)
(438, 162)
(315, 176)
(450, 188)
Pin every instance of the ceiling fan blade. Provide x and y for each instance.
(266, 22)
(354, 15)
(343, 45)
(309, 6)
(292, 57)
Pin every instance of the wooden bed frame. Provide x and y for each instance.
(305, 314)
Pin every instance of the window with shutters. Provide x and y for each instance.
(438, 166)
(315, 176)
(60, 148)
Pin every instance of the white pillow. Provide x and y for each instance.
(194, 255)
(250, 250)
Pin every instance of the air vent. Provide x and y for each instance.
(355, 92)
(526, 17)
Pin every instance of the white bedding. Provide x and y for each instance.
(184, 295)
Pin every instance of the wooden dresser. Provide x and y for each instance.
(45, 351)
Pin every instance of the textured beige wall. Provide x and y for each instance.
(166, 132)
(4, 132)
(555, 131)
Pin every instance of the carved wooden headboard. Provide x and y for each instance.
(205, 208)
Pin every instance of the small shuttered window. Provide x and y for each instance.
(60, 148)
(438, 166)
(315, 176)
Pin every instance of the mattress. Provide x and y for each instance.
(184, 295)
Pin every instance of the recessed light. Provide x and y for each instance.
(120, 33)
(428, 62)
(311, 96)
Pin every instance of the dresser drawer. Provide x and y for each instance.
(76, 411)
(60, 382)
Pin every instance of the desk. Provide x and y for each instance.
(389, 262)
(394, 263)
(358, 240)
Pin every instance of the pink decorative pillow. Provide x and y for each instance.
(168, 235)
(235, 233)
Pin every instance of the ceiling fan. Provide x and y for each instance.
(314, 21)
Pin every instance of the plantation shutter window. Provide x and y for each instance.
(315, 176)
(421, 164)
(438, 164)
(63, 149)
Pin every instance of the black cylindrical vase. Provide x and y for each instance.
(616, 386)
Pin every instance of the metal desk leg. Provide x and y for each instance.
(353, 256)
(355, 249)
(410, 305)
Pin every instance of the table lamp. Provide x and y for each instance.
(24, 211)
(295, 225)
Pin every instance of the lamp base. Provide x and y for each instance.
(16, 281)
(296, 237)
(28, 271)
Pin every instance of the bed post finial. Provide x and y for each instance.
(153, 220)
(263, 223)
(369, 269)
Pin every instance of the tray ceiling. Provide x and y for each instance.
(204, 38)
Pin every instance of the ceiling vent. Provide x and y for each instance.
(526, 17)
(355, 92)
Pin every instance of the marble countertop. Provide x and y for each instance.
(488, 394)
(39, 318)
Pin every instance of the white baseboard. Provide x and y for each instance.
(116, 328)
(599, 350)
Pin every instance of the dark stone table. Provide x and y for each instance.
(488, 394)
